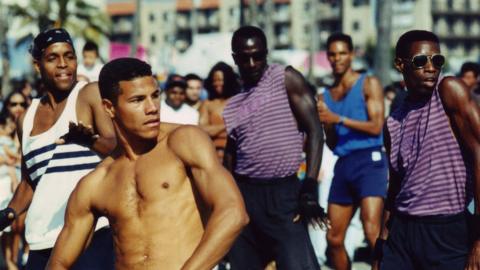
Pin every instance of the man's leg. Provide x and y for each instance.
(371, 216)
(339, 216)
(37, 259)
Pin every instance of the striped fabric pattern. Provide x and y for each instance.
(54, 171)
(260, 120)
(427, 156)
(55, 158)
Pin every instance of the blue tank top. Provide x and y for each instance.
(352, 106)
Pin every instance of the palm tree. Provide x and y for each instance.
(78, 16)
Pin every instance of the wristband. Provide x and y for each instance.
(7, 216)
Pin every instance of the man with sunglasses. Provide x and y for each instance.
(433, 145)
(266, 124)
(352, 110)
(51, 169)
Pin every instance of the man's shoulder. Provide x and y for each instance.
(89, 91)
(94, 177)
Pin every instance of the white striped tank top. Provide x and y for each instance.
(54, 171)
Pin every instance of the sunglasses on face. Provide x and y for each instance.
(256, 56)
(421, 60)
(14, 104)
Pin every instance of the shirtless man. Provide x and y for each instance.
(169, 201)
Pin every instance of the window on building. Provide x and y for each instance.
(152, 17)
(153, 39)
(165, 17)
(357, 3)
(356, 26)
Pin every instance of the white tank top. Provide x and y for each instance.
(54, 171)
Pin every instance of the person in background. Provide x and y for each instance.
(353, 113)
(174, 109)
(194, 90)
(470, 75)
(91, 65)
(221, 84)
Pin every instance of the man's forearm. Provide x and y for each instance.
(314, 153)
(22, 198)
(104, 146)
(213, 130)
(221, 231)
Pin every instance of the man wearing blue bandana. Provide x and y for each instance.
(63, 134)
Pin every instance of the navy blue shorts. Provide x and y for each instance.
(426, 243)
(360, 174)
(272, 234)
(99, 255)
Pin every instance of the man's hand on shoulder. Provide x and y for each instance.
(80, 134)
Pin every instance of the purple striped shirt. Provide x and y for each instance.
(260, 120)
(425, 153)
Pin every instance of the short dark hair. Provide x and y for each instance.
(470, 66)
(90, 46)
(121, 69)
(406, 40)
(231, 86)
(192, 76)
(176, 83)
(340, 37)
(248, 31)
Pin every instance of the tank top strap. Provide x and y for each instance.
(27, 124)
(71, 107)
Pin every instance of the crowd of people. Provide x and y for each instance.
(104, 167)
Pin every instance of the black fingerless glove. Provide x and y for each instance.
(75, 135)
(309, 207)
(7, 216)
(378, 249)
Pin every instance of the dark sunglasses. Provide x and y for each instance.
(256, 56)
(421, 60)
(14, 104)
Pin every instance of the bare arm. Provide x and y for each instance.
(375, 110)
(330, 134)
(229, 157)
(464, 117)
(217, 189)
(78, 228)
(212, 130)
(91, 113)
(24, 193)
(303, 106)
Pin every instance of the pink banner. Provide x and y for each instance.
(118, 50)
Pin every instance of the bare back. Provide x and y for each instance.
(152, 208)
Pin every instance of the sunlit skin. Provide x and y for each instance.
(464, 120)
(175, 97)
(194, 89)
(218, 81)
(420, 82)
(162, 216)
(211, 118)
(16, 106)
(469, 79)
(250, 69)
(89, 58)
(340, 57)
(58, 66)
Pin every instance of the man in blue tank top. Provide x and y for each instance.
(433, 146)
(50, 170)
(352, 111)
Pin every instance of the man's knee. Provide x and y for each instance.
(335, 239)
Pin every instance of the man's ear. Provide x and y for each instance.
(234, 58)
(108, 107)
(399, 65)
(36, 65)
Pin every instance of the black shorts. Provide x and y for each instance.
(99, 255)
(271, 234)
(423, 243)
